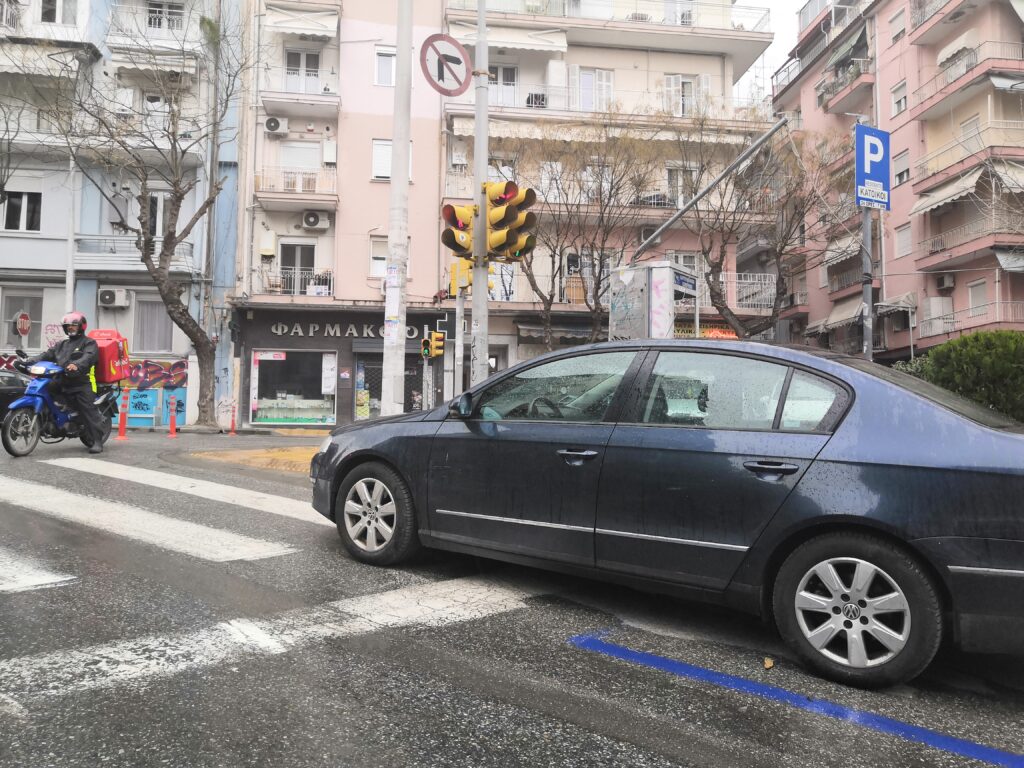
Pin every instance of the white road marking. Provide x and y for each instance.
(229, 494)
(10, 708)
(131, 522)
(18, 573)
(143, 659)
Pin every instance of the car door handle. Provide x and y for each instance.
(575, 458)
(766, 468)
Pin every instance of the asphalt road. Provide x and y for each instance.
(158, 609)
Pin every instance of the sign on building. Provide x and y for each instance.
(872, 166)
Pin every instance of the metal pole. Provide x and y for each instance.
(911, 321)
(746, 155)
(460, 322)
(69, 274)
(696, 310)
(479, 369)
(867, 319)
(392, 400)
(426, 388)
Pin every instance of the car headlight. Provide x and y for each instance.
(325, 444)
(37, 370)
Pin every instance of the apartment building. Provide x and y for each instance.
(58, 215)
(316, 172)
(945, 79)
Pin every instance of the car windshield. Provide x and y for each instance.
(960, 405)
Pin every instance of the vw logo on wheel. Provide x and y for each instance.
(851, 611)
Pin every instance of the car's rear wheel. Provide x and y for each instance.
(375, 515)
(858, 609)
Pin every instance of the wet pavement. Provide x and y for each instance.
(151, 620)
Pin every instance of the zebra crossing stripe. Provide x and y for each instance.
(18, 573)
(228, 494)
(434, 604)
(112, 517)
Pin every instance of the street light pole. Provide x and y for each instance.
(481, 353)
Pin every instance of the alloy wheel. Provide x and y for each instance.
(852, 612)
(370, 514)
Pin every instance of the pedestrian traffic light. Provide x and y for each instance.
(425, 347)
(458, 236)
(500, 213)
(518, 242)
(436, 343)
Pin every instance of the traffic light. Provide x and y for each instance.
(500, 213)
(459, 234)
(436, 341)
(461, 272)
(425, 347)
(518, 242)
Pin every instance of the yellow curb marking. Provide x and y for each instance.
(294, 458)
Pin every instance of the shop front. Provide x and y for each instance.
(316, 368)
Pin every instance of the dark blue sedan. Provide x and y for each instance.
(867, 513)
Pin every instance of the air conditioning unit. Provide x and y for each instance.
(945, 282)
(276, 125)
(638, 16)
(317, 220)
(113, 298)
(646, 232)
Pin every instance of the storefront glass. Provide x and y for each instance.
(293, 387)
(370, 374)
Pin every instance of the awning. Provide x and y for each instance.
(552, 40)
(845, 312)
(1010, 174)
(533, 332)
(842, 249)
(815, 328)
(901, 303)
(968, 40)
(301, 22)
(1011, 261)
(844, 50)
(1007, 83)
(947, 193)
(500, 129)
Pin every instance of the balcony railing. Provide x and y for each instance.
(9, 14)
(921, 12)
(295, 282)
(811, 10)
(996, 223)
(660, 12)
(126, 244)
(121, 252)
(310, 82)
(155, 23)
(844, 77)
(973, 317)
(541, 98)
(997, 133)
(300, 181)
(795, 299)
(965, 62)
(851, 277)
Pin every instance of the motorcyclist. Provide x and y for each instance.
(77, 354)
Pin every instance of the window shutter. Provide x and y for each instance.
(381, 159)
(605, 79)
(704, 94)
(903, 242)
(674, 95)
(574, 86)
(124, 101)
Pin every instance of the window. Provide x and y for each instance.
(381, 168)
(977, 298)
(899, 99)
(597, 183)
(297, 264)
(550, 181)
(904, 245)
(159, 207)
(164, 16)
(156, 109)
(300, 165)
(502, 85)
(901, 168)
(898, 26)
(679, 95)
(579, 389)
(302, 72)
(378, 256)
(153, 327)
(59, 12)
(714, 391)
(500, 169)
(591, 89)
(384, 71)
(14, 304)
(970, 134)
(22, 211)
(812, 404)
(822, 276)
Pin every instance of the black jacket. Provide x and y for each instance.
(82, 351)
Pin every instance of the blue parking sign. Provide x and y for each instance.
(872, 163)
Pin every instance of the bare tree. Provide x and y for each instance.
(144, 130)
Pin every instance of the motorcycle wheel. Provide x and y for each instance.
(20, 432)
(108, 425)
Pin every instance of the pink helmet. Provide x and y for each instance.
(74, 318)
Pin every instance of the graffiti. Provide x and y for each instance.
(153, 374)
(139, 403)
(53, 333)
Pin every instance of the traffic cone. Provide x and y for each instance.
(173, 420)
(232, 433)
(122, 418)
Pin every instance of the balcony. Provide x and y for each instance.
(850, 277)
(287, 281)
(794, 305)
(810, 12)
(789, 72)
(292, 92)
(998, 138)
(101, 253)
(747, 293)
(964, 243)
(9, 15)
(957, 81)
(842, 92)
(295, 189)
(932, 21)
(739, 32)
(162, 36)
(995, 312)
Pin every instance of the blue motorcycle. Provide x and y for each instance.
(39, 414)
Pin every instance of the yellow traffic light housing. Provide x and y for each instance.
(500, 213)
(458, 236)
(517, 243)
(435, 343)
(461, 276)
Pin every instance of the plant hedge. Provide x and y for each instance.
(987, 367)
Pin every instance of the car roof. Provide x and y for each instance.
(791, 352)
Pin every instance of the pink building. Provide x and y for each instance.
(941, 78)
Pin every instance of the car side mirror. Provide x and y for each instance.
(463, 407)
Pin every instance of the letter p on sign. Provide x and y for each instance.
(872, 167)
(874, 151)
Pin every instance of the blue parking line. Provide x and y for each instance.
(596, 644)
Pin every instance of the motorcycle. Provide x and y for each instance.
(39, 415)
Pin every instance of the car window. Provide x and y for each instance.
(714, 391)
(812, 403)
(569, 389)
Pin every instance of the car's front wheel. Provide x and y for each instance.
(858, 609)
(375, 515)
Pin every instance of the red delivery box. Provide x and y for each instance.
(113, 364)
